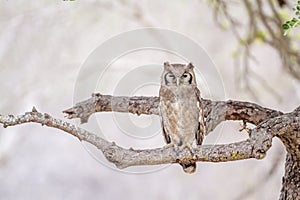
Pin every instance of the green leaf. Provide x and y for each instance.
(288, 25)
(294, 20)
(285, 26)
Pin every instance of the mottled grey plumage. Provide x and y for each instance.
(181, 109)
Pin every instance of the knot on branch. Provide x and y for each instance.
(261, 140)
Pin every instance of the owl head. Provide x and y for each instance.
(178, 75)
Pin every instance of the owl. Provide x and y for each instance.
(181, 109)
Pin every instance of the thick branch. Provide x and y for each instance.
(214, 111)
(254, 147)
(269, 124)
(291, 180)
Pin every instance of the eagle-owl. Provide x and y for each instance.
(181, 109)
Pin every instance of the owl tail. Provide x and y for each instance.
(189, 167)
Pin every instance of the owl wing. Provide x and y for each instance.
(166, 136)
(201, 125)
(167, 117)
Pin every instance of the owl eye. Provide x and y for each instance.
(169, 78)
(170, 75)
(187, 78)
(185, 75)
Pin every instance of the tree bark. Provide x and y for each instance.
(291, 180)
(269, 124)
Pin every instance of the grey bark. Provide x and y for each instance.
(269, 124)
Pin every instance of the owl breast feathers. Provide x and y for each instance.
(181, 109)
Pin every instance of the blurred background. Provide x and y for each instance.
(45, 48)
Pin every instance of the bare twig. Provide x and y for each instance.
(262, 23)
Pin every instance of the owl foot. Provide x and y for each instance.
(188, 165)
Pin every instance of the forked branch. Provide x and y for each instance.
(255, 147)
(260, 138)
(269, 123)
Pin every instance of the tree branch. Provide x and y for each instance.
(251, 148)
(255, 147)
(269, 123)
(214, 111)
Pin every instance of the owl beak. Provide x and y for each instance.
(177, 81)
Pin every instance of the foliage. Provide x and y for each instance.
(288, 25)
